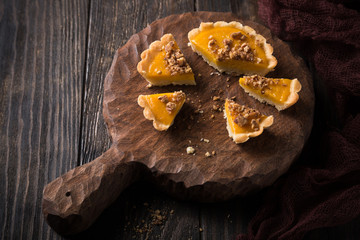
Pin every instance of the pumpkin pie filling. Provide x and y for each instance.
(280, 92)
(244, 122)
(232, 48)
(162, 108)
(163, 64)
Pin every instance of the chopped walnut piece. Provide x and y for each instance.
(216, 107)
(245, 115)
(216, 98)
(255, 124)
(227, 42)
(179, 96)
(181, 61)
(170, 107)
(241, 120)
(212, 42)
(259, 82)
(175, 60)
(231, 50)
(238, 36)
(164, 99)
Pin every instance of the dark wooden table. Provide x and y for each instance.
(54, 56)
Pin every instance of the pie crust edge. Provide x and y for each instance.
(295, 87)
(149, 115)
(268, 49)
(145, 61)
(243, 137)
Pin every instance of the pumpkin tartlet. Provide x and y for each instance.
(279, 92)
(164, 64)
(232, 48)
(162, 108)
(243, 122)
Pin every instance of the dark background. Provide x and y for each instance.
(54, 56)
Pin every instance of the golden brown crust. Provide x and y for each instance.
(149, 115)
(295, 87)
(146, 60)
(243, 137)
(268, 49)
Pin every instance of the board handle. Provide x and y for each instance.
(73, 201)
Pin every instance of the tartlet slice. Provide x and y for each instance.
(279, 92)
(162, 108)
(164, 64)
(232, 48)
(243, 122)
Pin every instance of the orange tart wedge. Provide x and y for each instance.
(164, 64)
(232, 48)
(279, 92)
(244, 122)
(162, 108)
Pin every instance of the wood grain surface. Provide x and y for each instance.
(42, 64)
(50, 119)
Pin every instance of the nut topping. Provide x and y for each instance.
(179, 96)
(175, 60)
(238, 36)
(170, 107)
(164, 99)
(232, 51)
(240, 120)
(244, 116)
(259, 82)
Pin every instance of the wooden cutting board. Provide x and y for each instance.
(73, 201)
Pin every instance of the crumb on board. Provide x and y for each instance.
(190, 150)
(216, 98)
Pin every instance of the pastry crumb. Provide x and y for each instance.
(207, 154)
(190, 150)
(212, 116)
(216, 98)
(206, 140)
(213, 153)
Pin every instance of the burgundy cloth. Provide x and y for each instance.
(322, 191)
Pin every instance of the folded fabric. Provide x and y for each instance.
(323, 189)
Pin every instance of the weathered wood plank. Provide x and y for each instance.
(143, 212)
(213, 5)
(246, 9)
(42, 49)
(111, 25)
(226, 220)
